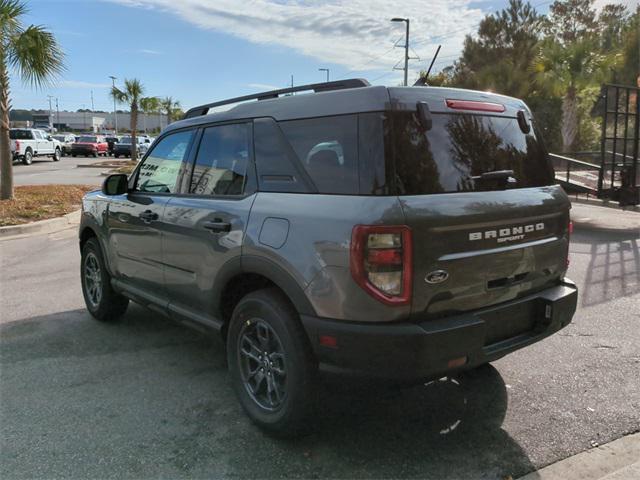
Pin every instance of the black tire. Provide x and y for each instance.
(116, 155)
(103, 303)
(73, 155)
(56, 155)
(28, 157)
(95, 154)
(289, 364)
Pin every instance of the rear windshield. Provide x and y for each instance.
(20, 134)
(455, 153)
(87, 140)
(125, 140)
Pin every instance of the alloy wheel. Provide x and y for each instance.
(261, 359)
(93, 279)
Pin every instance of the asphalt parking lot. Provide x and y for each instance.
(145, 398)
(68, 170)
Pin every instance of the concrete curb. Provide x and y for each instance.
(616, 460)
(43, 226)
(604, 203)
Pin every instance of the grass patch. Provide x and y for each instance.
(127, 168)
(40, 202)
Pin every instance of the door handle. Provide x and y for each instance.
(217, 226)
(148, 216)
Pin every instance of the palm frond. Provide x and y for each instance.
(10, 11)
(119, 95)
(36, 54)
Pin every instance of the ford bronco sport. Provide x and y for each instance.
(398, 233)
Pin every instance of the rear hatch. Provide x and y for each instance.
(476, 188)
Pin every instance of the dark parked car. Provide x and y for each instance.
(111, 141)
(90, 145)
(123, 147)
(397, 233)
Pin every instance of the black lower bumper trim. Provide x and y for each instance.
(416, 351)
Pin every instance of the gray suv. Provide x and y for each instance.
(397, 233)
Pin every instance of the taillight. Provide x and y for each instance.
(381, 262)
(475, 105)
(17, 145)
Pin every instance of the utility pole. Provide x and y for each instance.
(325, 70)
(57, 113)
(406, 48)
(115, 115)
(50, 113)
(93, 108)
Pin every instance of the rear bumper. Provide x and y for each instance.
(83, 151)
(416, 351)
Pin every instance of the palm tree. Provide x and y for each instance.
(566, 70)
(148, 105)
(131, 95)
(170, 108)
(36, 56)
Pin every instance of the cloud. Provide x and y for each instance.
(147, 51)
(355, 34)
(81, 84)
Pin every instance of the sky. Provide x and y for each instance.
(199, 51)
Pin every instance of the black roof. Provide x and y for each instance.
(338, 98)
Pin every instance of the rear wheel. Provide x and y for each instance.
(28, 157)
(116, 155)
(103, 303)
(56, 155)
(270, 362)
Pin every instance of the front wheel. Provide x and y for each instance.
(270, 362)
(56, 155)
(103, 303)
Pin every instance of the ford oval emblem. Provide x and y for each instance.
(437, 276)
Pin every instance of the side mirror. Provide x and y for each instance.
(115, 184)
(49, 137)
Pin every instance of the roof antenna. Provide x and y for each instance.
(422, 81)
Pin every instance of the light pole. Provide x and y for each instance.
(115, 115)
(406, 48)
(50, 114)
(57, 113)
(325, 70)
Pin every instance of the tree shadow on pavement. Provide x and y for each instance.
(614, 265)
(145, 398)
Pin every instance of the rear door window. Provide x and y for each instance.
(455, 153)
(327, 147)
(222, 159)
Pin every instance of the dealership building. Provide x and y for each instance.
(96, 121)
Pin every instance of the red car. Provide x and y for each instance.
(90, 145)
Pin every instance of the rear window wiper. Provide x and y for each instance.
(496, 175)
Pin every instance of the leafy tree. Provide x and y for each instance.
(565, 70)
(131, 95)
(36, 56)
(571, 20)
(628, 72)
(171, 108)
(611, 24)
(149, 105)
(499, 57)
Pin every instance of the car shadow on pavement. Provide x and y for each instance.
(145, 398)
(614, 265)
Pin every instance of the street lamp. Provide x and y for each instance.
(406, 48)
(325, 70)
(115, 115)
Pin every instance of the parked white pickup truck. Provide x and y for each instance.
(27, 143)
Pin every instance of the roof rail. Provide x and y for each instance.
(316, 87)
